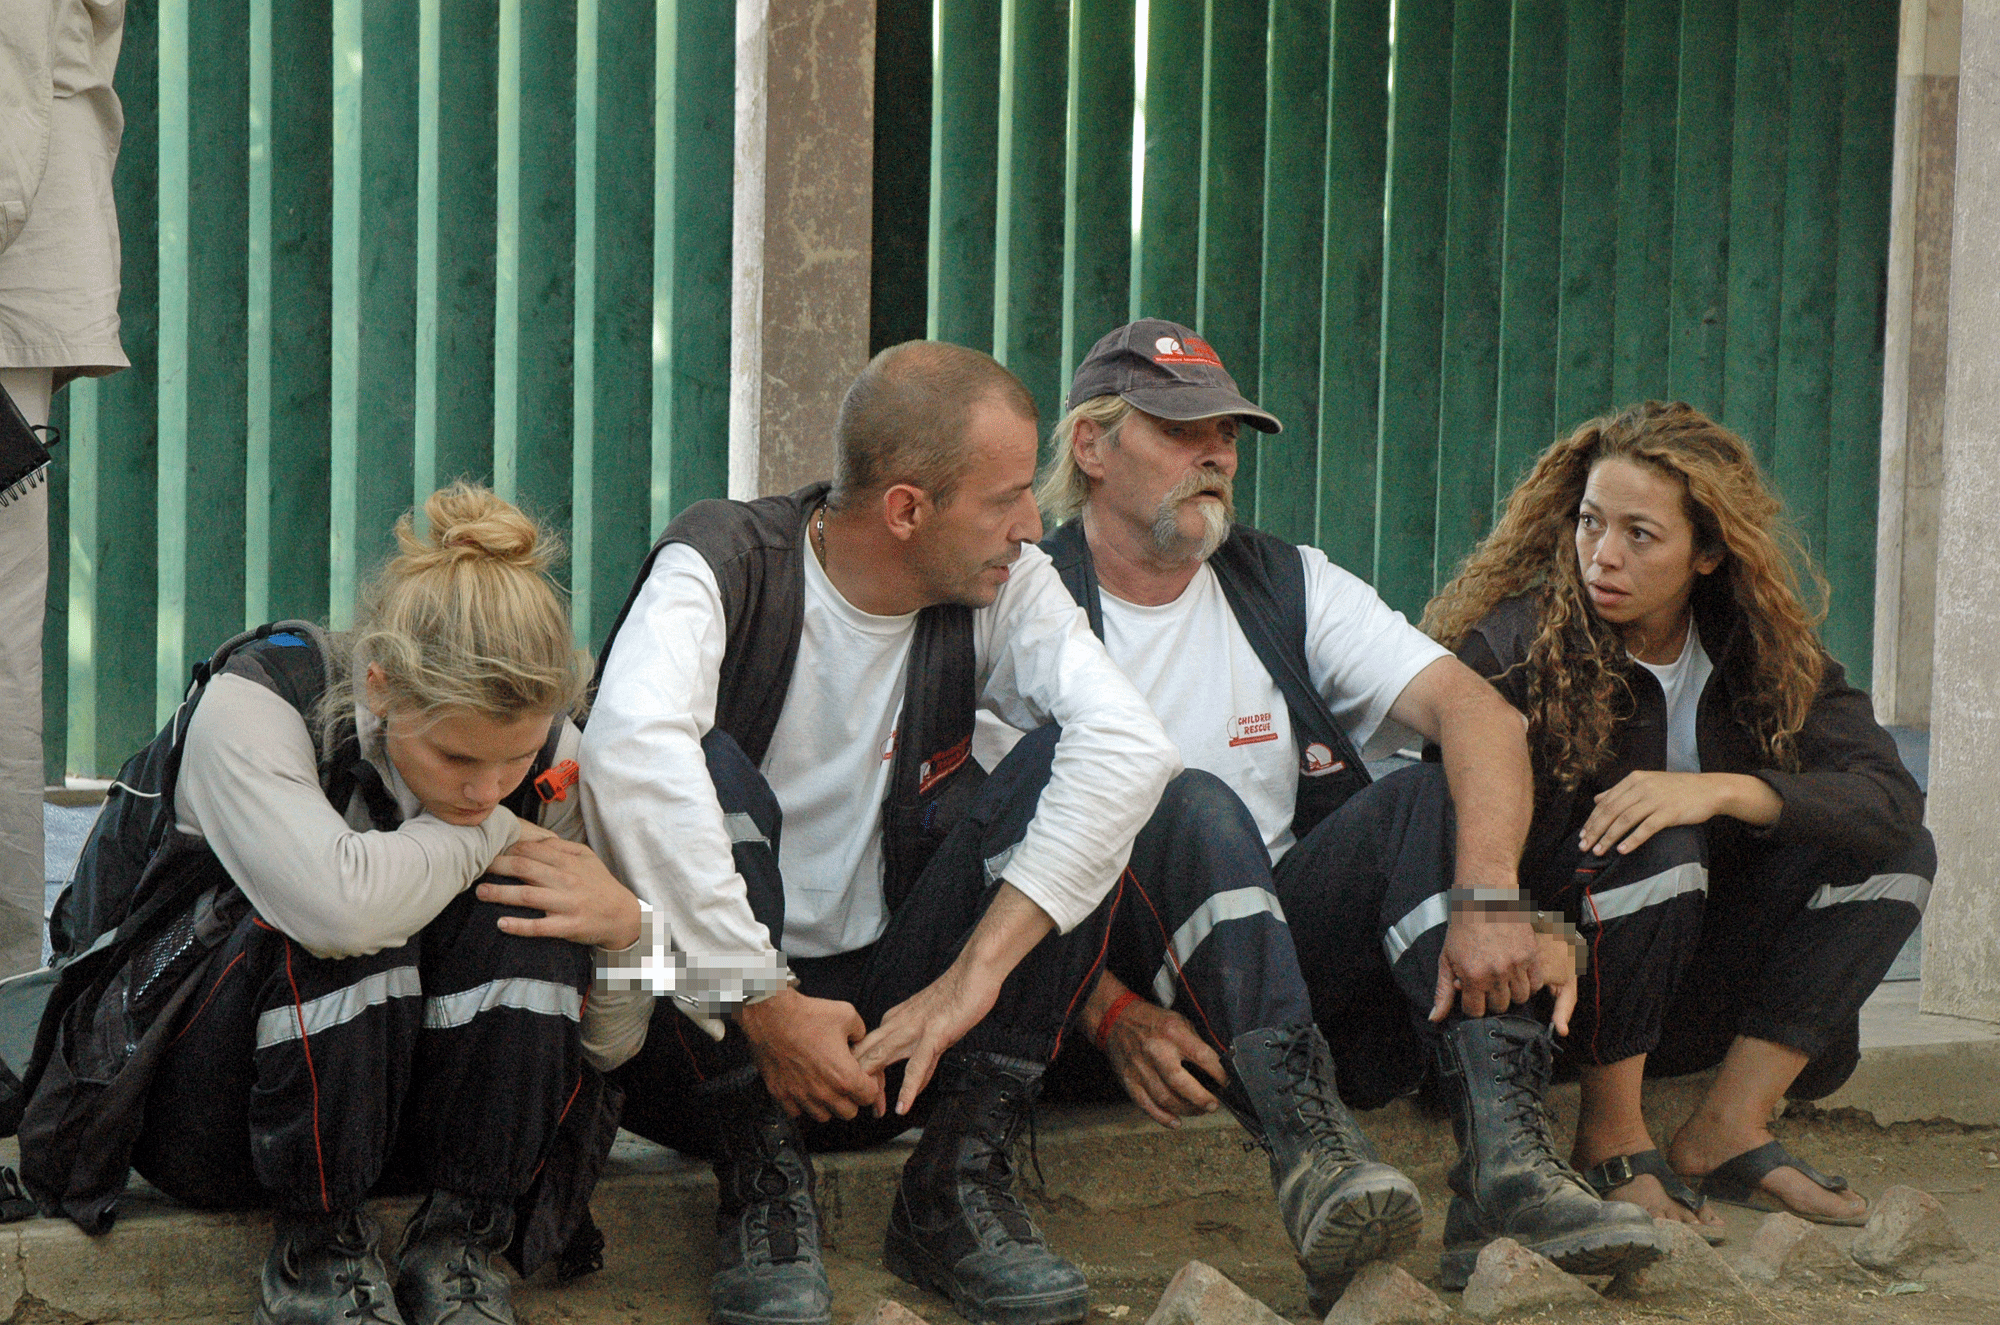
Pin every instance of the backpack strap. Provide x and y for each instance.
(1070, 552)
(932, 775)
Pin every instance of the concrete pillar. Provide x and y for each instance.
(1962, 931)
(805, 152)
(1913, 359)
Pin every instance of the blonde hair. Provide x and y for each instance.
(1576, 665)
(1064, 487)
(463, 618)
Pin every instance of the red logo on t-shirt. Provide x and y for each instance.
(1316, 761)
(1252, 730)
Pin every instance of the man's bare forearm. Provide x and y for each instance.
(1492, 782)
(1009, 930)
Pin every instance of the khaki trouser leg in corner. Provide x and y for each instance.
(24, 573)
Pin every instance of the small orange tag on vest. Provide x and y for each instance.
(554, 785)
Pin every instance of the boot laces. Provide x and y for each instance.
(775, 1219)
(1524, 1078)
(353, 1245)
(993, 1180)
(1318, 1105)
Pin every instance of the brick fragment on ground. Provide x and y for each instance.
(1200, 1294)
(1386, 1294)
(1908, 1230)
(1689, 1268)
(1509, 1277)
(1792, 1250)
(887, 1311)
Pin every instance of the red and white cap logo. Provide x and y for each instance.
(1185, 349)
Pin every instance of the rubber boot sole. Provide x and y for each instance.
(1592, 1251)
(1380, 1222)
(911, 1262)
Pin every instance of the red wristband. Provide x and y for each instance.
(1102, 1035)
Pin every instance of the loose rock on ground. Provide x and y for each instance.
(1787, 1249)
(1690, 1267)
(1386, 1294)
(1907, 1230)
(889, 1312)
(1200, 1294)
(1509, 1277)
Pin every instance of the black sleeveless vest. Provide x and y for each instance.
(1265, 585)
(755, 549)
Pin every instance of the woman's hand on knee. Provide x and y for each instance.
(579, 898)
(1647, 801)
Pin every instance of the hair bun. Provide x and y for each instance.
(469, 522)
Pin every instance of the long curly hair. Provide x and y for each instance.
(1578, 671)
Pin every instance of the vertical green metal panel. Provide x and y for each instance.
(1868, 116)
(1412, 302)
(114, 439)
(1097, 176)
(1028, 201)
(375, 47)
(1468, 393)
(1700, 281)
(1286, 479)
(964, 149)
(1167, 260)
(1229, 229)
(1641, 312)
(1531, 260)
(613, 323)
(55, 608)
(457, 93)
(534, 271)
(1756, 220)
(693, 155)
(900, 246)
(204, 233)
(291, 367)
(1585, 319)
(1350, 328)
(1806, 307)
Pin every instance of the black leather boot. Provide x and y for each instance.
(1341, 1205)
(768, 1267)
(1510, 1181)
(445, 1270)
(956, 1227)
(325, 1271)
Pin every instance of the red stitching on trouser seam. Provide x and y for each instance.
(299, 1012)
(559, 1122)
(212, 991)
(1090, 976)
(1167, 942)
(1596, 977)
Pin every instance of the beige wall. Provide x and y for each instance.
(805, 151)
(1913, 367)
(1962, 930)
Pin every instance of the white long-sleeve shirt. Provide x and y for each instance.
(652, 813)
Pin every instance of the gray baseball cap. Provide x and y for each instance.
(1166, 370)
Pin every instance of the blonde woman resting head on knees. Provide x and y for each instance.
(373, 1019)
(1716, 807)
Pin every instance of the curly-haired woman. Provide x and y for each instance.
(1716, 808)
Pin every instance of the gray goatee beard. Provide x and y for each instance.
(1215, 515)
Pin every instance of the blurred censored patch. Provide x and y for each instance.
(711, 983)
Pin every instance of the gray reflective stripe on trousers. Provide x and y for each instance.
(1236, 904)
(1627, 898)
(1912, 888)
(443, 1012)
(1423, 917)
(278, 1025)
(742, 828)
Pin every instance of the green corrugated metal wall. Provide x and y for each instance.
(370, 246)
(374, 246)
(1430, 235)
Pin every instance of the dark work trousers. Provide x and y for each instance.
(1184, 923)
(1200, 929)
(1675, 972)
(301, 1081)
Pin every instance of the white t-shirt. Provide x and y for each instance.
(652, 811)
(1683, 679)
(1194, 664)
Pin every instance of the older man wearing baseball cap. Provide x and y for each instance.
(1272, 669)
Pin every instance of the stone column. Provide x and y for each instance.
(805, 144)
(1913, 359)
(1962, 931)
